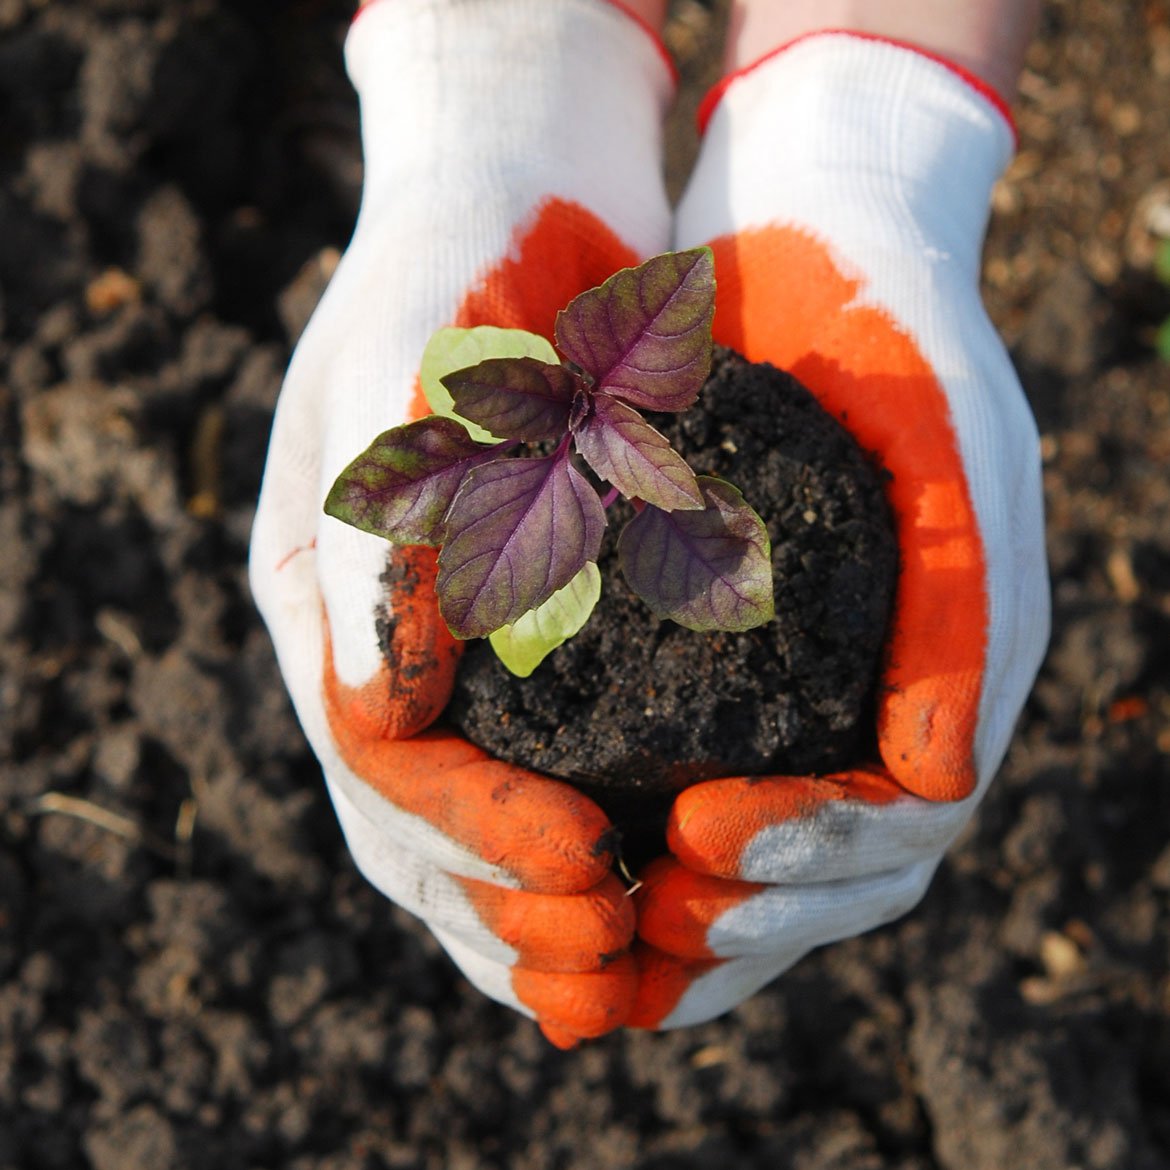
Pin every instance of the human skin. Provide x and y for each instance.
(653, 12)
(986, 37)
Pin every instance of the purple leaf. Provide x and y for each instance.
(644, 336)
(401, 486)
(626, 451)
(709, 570)
(517, 531)
(515, 398)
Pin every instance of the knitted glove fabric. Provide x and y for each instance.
(844, 184)
(507, 170)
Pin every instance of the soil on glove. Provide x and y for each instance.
(194, 976)
(634, 706)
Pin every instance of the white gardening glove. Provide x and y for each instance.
(512, 152)
(844, 184)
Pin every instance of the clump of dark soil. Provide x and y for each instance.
(635, 703)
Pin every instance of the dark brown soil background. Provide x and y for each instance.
(193, 974)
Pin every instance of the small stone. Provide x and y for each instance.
(1062, 958)
(111, 290)
(118, 754)
(142, 1139)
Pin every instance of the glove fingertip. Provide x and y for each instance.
(579, 1005)
(559, 1037)
(711, 824)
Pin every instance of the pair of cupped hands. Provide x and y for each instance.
(843, 185)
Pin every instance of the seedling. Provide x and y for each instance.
(518, 534)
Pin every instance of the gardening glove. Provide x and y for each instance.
(844, 184)
(512, 155)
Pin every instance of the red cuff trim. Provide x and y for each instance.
(360, 9)
(984, 89)
(624, 9)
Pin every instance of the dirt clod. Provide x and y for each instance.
(634, 703)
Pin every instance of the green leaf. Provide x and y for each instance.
(523, 645)
(1162, 262)
(1162, 340)
(454, 349)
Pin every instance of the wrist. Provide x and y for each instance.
(985, 38)
(648, 15)
(841, 128)
(497, 99)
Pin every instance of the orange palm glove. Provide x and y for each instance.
(844, 184)
(506, 171)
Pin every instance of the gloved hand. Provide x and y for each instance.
(512, 155)
(844, 183)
